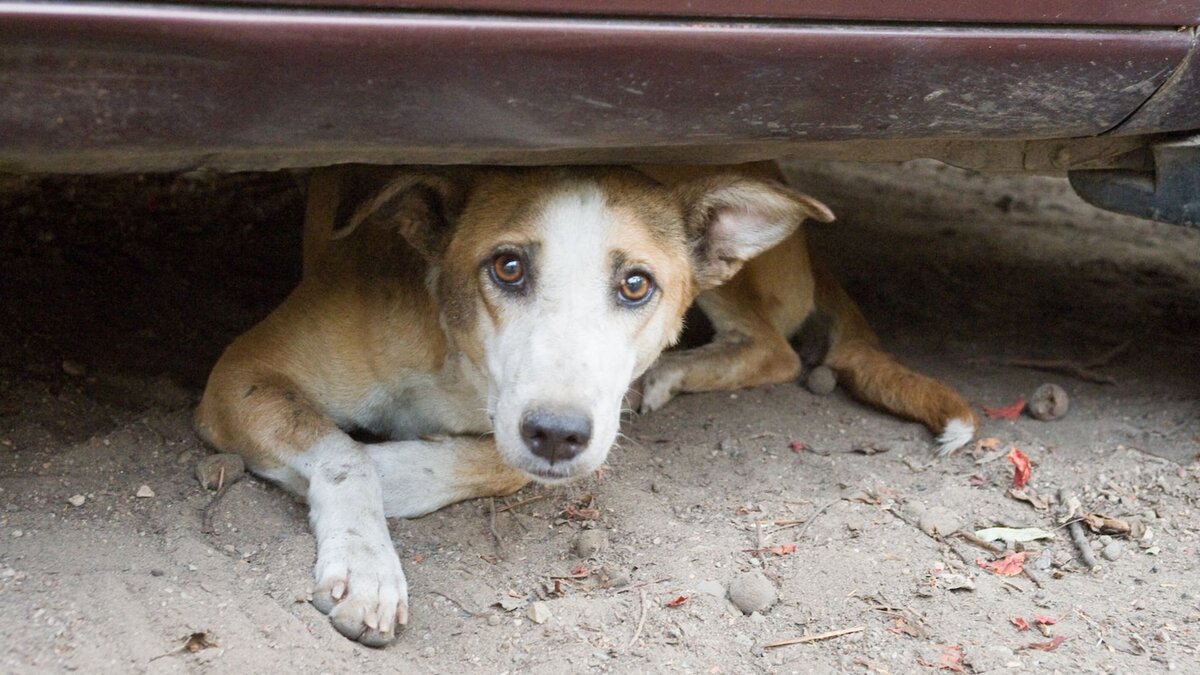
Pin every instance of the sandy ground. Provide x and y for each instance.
(118, 294)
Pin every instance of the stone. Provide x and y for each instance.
(144, 492)
(538, 612)
(590, 542)
(76, 500)
(1048, 403)
(752, 592)
(1112, 550)
(938, 520)
(821, 381)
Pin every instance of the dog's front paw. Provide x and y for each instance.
(361, 586)
(659, 386)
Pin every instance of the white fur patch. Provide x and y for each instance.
(360, 583)
(958, 432)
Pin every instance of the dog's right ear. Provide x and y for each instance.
(421, 205)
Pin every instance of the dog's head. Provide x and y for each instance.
(564, 285)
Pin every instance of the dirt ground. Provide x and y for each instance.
(119, 293)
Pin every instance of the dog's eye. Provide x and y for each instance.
(508, 269)
(636, 288)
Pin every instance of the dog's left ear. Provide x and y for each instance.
(731, 219)
(421, 205)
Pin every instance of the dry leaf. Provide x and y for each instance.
(951, 658)
(1027, 495)
(1009, 412)
(1009, 566)
(579, 571)
(1045, 620)
(781, 550)
(1022, 470)
(677, 601)
(1022, 534)
(1021, 624)
(198, 641)
(1047, 646)
(903, 627)
(1102, 524)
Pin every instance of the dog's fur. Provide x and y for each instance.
(405, 327)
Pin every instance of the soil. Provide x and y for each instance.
(119, 293)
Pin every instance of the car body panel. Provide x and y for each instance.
(140, 87)
(1079, 12)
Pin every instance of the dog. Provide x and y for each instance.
(487, 322)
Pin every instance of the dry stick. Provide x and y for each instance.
(1082, 371)
(1077, 537)
(499, 545)
(641, 584)
(814, 638)
(641, 623)
(210, 511)
(813, 518)
(523, 502)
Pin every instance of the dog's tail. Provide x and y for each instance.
(875, 377)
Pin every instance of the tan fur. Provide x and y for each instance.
(767, 303)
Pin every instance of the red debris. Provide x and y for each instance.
(1022, 470)
(1009, 566)
(1009, 412)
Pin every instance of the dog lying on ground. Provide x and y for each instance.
(488, 322)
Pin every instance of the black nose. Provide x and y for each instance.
(556, 437)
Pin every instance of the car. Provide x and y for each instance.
(1103, 90)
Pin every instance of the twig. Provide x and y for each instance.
(210, 511)
(637, 632)
(523, 502)
(814, 638)
(457, 604)
(985, 545)
(642, 584)
(813, 518)
(499, 545)
(1077, 537)
(1083, 371)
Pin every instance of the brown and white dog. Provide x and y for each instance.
(489, 322)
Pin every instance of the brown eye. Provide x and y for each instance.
(508, 269)
(636, 288)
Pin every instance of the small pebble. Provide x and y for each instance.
(752, 592)
(76, 500)
(1049, 402)
(494, 620)
(821, 381)
(144, 492)
(713, 588)
(428, 652)
(538, 612)
(18, 533)
(590, 542)
(938, 520)
(1113, 550)
(209, 470)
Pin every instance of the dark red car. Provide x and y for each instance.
(1104, 89)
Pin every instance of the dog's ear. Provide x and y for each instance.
(730, 219)
(422, 206)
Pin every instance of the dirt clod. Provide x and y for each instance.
(1049, 402)
(144, 492)
(220, 468)
(76, 500)
(1112, 550)
(590, 542)
(752, 592)
(821, 381)
(938, 520)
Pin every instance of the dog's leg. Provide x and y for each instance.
(875, 377)
(748, 350)
(359, 581)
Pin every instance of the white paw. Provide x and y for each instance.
(659, 386)
(361, 586)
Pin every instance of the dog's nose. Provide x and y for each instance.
(555, 436)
